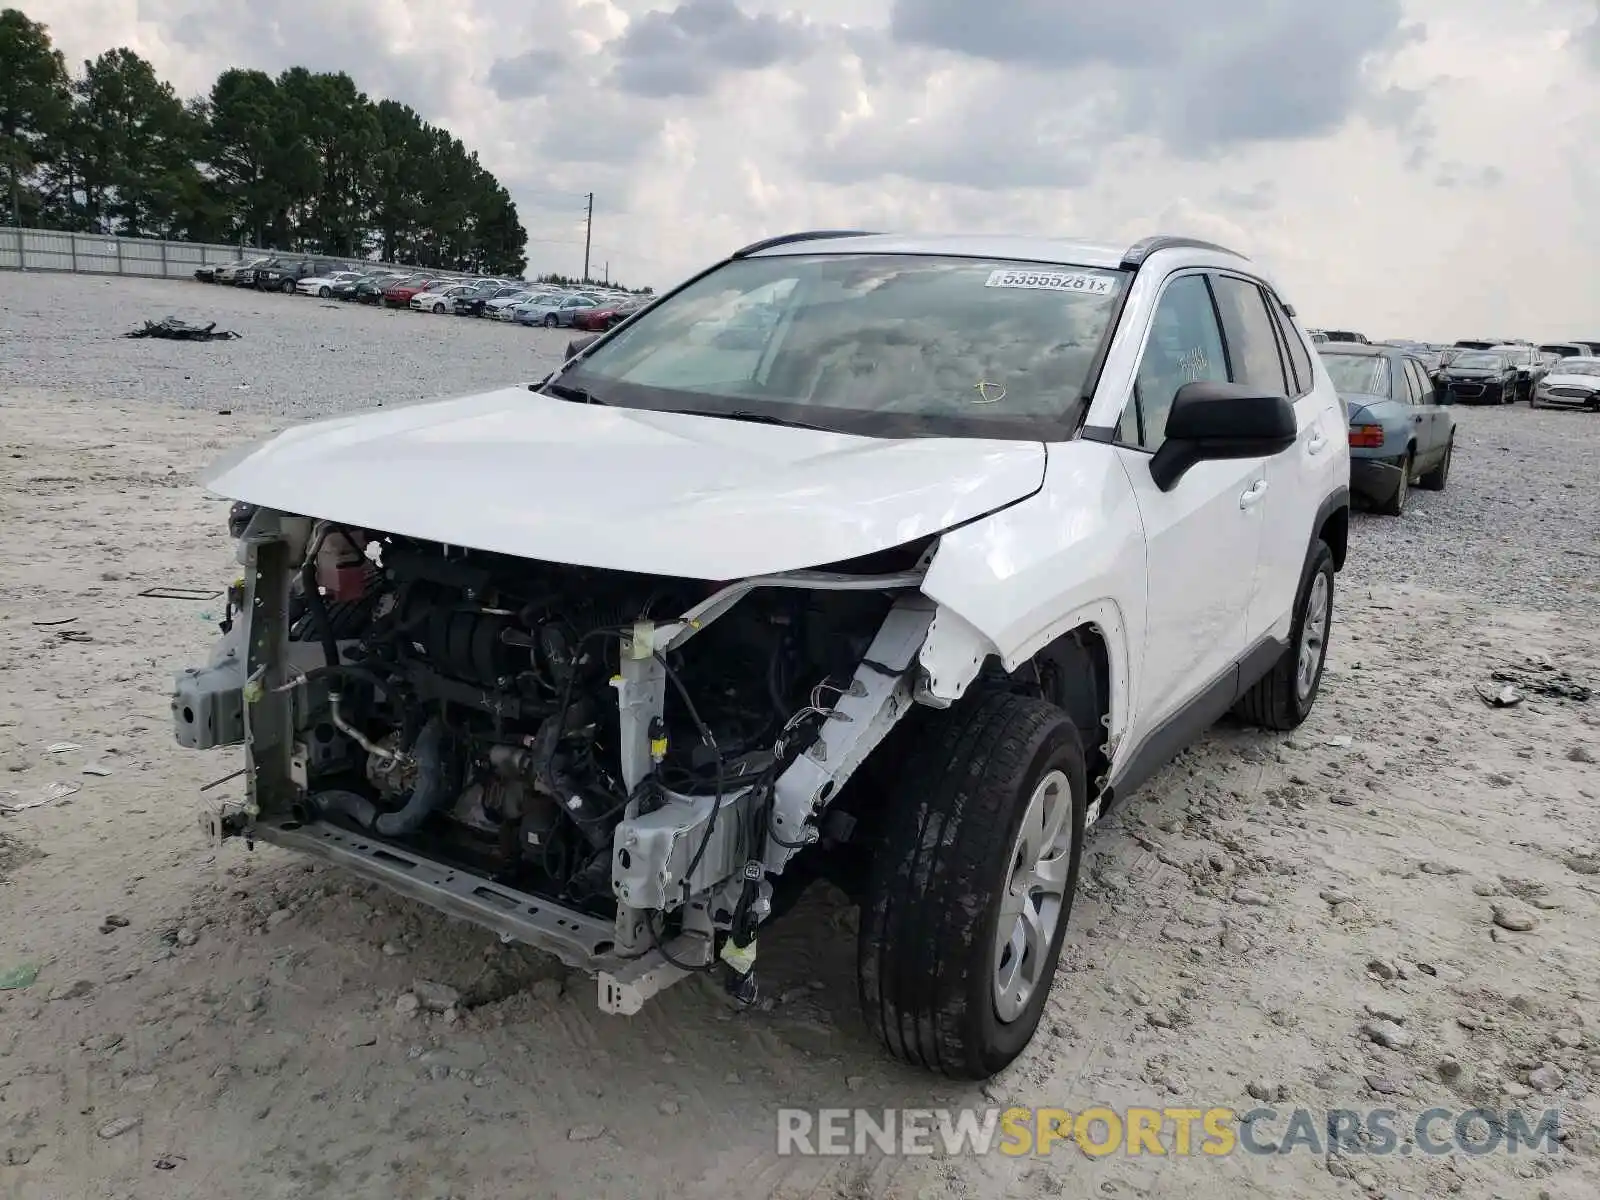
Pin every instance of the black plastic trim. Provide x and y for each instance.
(1133, 257)
(1179, 730)
(808, 235)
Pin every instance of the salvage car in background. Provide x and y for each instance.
(401, 291)
(1525, 360)
(827, 609)
(555, 311)
(605, 315)
(1479, 377)
(323, 285)
(1574, 381)
(1566, 350)
(1399, 433)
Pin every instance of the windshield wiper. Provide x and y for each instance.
(566, 391)
(744, 414)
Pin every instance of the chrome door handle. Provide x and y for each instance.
(1253, 494)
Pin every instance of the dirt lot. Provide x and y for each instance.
(219, 1023)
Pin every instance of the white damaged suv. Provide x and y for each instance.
(891, 560)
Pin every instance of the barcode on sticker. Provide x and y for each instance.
(1052, 281)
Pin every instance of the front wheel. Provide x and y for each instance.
(1283, 697)
(972, 885)
(287, 287)
(324, 293)
(550, 321)
(438, 308)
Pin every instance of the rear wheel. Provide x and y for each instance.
(972, 886)
(1396, 503)
(1284, 696)
(1435, 479)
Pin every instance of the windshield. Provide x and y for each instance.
(1358, 374)
(1478, 362)
(885, 345)
(1589, 366)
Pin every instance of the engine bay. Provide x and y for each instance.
(469, 706)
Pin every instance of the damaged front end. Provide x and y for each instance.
(611, 767)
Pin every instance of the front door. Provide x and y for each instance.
(1203, 536)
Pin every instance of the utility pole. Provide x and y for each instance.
(588, 228)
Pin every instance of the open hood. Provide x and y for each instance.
(522, 473)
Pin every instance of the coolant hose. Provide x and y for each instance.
(431, 790)
(345, 804)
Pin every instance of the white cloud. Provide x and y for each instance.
(1408, 167)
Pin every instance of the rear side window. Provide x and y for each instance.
(1252, 338)
(1413, 392)
(1302, 378)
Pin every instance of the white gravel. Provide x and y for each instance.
(298, 356)
(221, 1023)
(1519, 521)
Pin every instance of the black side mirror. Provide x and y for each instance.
(1221, 420)
(579, 344)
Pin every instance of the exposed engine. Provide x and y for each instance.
(465, 704)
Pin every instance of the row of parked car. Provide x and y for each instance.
(592, 308)
(1498, 370)
(1399, 396)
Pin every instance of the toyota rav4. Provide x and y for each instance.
(891, 560)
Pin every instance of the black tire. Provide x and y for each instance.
(323, 293)
(926, 954)
(550, 321)
(1396, 503)
(1276, 701)
(1435, 479)
(287, 287)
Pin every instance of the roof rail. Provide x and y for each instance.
(1133, 257)
(809, 235)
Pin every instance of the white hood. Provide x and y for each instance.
(530, 475)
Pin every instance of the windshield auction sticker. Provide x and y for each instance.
(1052, 281)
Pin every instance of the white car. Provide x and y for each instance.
(323, 285)
(1570, 381)
(441, 298)
(906, 595)
(500, 309)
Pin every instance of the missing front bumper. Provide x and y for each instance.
(577, 939)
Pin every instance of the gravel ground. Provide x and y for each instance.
(298, 356)
(1392, 909)
(1519, 522)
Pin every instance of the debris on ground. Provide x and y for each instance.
(13, 979)
(180, 593)
(62, 748)
(1505, 697)
(1544, 679)
(182, 331)
(49, 794)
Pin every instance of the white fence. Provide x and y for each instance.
(101, 254)
(150, 258)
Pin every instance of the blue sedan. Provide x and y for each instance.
(1399, 433)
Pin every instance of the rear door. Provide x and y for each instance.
(1425, 414)
(1261, 353)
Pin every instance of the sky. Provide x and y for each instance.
(1406, 168)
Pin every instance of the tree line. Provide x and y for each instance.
(301, 162)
